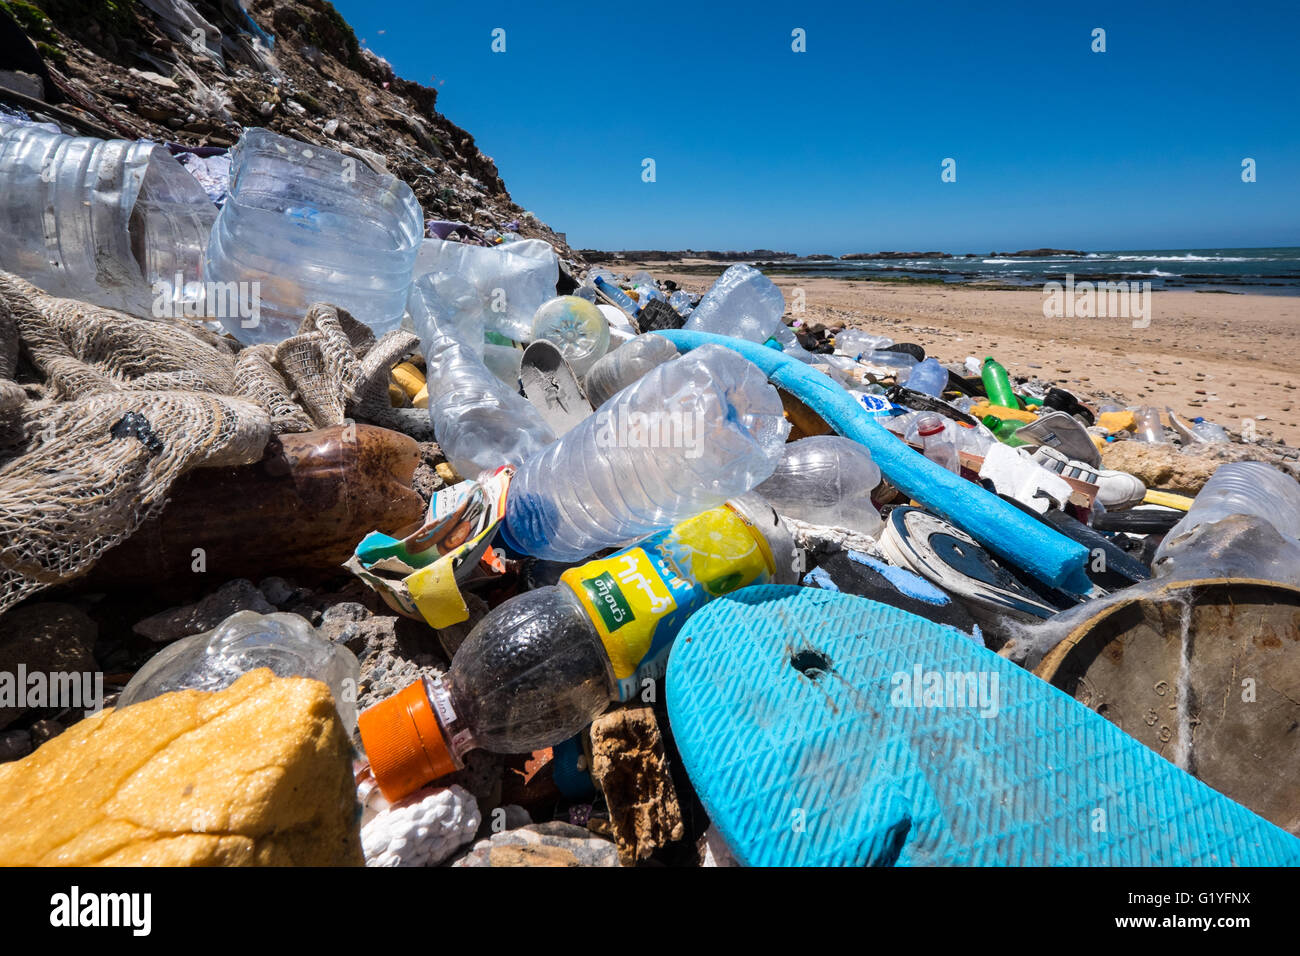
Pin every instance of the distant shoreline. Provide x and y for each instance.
(1227, 357)
(1269, 271)
(755, 255)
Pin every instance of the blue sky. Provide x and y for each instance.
(839, 149)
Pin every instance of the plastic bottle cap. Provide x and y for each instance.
(929, 425)
(404, 742)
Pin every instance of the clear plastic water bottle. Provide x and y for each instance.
(686, 437)
(309, 224)
(901, 363)
(245, 641)
(478, 420)
(1242, 488)
(102, 221)
(742, 303)
(929, 378)
(681, 301)
(826, 480)
(616, 295)
(541, 666)
(628, 363)
(1208, 431)
(855, 342)
(936, 443)
(576, 327)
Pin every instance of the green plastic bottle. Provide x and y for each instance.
(997, 384)
(1005, 430)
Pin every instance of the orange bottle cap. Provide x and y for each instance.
(404, 742)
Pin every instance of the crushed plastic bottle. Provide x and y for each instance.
(542, 665)
(1208, 431)
(576, 327)
(929, 378)
(627, 364)
(111, 222)
(742, 303)
(855, 342)
(936, 443)
(826, 480)
(513, 280)
(479, 421)
(900, 362)
(687, 436)
(245, 641)
(308, 224)
(1242, 488)
(461, 312)
(682, 302)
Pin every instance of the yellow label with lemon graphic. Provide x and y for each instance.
(639, 598)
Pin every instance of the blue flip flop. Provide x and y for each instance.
(826, 729)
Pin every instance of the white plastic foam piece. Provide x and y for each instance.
(421, 830)
(1028, 482)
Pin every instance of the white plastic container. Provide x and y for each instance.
(742, 303)
(309, 224)
(111, 222)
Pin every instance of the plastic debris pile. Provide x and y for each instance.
(570, 549)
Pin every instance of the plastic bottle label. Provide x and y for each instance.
(639, 598)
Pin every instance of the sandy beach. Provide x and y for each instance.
(1226, 357)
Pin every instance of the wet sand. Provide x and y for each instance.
(1226, 357)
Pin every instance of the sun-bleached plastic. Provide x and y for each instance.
(309, 224)
(742, 303)
(826, 480)
(478, 420)
(110, 222)
(625, 365)
(512, 280)
(929, 378)
(687, 436)
(854, 342)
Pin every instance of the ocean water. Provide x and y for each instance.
(1241, 270)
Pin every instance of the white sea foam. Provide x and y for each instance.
(1187, 259)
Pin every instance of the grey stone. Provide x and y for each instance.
(542, 844)
(178, 622)
(393, 651)
(46, 638)
(516, 816)
(281, 593)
